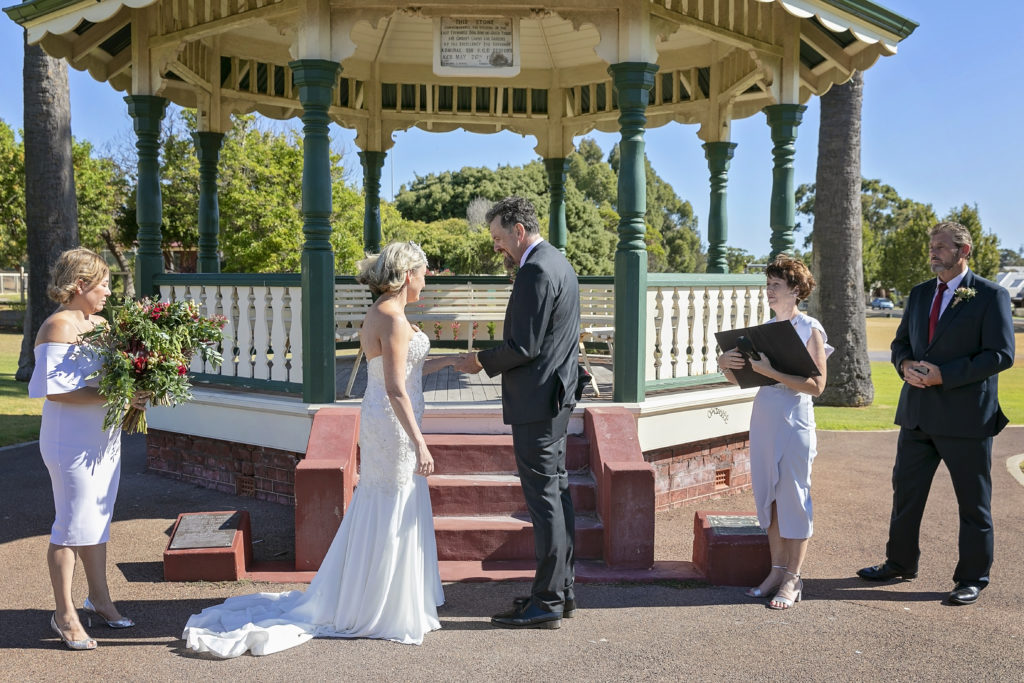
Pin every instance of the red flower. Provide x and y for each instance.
(182, 370)
(139, 363)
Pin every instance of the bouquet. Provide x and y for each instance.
(147, 347)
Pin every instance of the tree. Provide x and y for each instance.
(12, 199)
(984, 259)
(837, 225)
(1009, 258)
(50, 206)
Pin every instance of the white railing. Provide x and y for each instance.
(683, 314)
(14, 282)
(263, 327)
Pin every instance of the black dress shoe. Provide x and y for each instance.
(964, 595)
(884, 572)
(531, 616)
(568, 607)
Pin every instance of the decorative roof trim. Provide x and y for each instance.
(868, 22)
(58, 17)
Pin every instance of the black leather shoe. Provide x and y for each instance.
(964, 594)
(531, 616)
(568, 608)
(884, 572)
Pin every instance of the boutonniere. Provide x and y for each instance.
(962, 294)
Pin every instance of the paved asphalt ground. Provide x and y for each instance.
(845, 629)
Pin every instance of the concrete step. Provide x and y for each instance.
(506, 537)
(498, 494)
(491, 453)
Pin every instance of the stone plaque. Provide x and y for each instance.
(735, 525)
(206, 530)
(476, 46)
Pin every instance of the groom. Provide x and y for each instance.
(955, 336)
(537, 361)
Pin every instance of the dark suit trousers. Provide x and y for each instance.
(540, 457)
(969, 462)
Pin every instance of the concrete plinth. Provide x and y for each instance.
(209, 546)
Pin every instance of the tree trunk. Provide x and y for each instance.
(838, 264)
(51, 209)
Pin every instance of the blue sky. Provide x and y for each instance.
(941, 124)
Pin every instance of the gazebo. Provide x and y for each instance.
(552, 71)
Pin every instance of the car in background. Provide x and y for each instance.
(880, 303)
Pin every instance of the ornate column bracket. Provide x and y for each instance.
(208, 146)
(557, 230)
(718, 155)
(783, 120)
(372, 163)
(633, 82)
(315, 79)
(147, 111)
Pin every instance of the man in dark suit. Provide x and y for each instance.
(537, 361)
(955, 336)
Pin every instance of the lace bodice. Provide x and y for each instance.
(387, 458)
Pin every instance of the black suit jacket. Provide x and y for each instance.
(973, 342)
(537, 358)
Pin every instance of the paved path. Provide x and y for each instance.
(845, 629)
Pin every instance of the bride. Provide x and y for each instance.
(380, 577)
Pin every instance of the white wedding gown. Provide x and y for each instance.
(380, 577)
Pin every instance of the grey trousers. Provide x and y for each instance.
(540, 457)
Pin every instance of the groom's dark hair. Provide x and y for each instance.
(514, 210)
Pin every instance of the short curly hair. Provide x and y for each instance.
(72, 267)
(385, 272)
(514, 210)
(796, 274)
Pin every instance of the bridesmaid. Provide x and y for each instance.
(83, 459)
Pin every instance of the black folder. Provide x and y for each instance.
(778, 341)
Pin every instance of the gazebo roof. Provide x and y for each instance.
(718, 59)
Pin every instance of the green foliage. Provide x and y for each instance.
(895, 236)
(450, 244)
(1009, 258)
(738, 259)
(12, 198)
(100, 186)
(591, 189)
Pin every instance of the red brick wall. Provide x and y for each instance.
(687, 472)
(266, 473)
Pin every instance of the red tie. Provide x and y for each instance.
(933, 319)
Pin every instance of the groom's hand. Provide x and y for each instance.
(468, 363)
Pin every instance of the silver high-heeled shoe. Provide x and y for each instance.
(119, 623)
(87, 644)
(757, 593)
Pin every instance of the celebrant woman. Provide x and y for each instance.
(83, 458)
(782, 436)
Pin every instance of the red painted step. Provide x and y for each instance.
(487, 453)
(505, 537)
(498, 494)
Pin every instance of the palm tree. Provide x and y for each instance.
(837, 246)
(51, 209)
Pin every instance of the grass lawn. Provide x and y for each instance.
(19, 414)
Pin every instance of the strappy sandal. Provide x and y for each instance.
(756, 591)
(782, 602)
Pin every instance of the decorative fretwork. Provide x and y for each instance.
(178, 15)
(433, 98)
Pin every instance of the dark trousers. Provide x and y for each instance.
(969, 462)
(540, 457)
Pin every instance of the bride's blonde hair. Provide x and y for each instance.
(385, 272)
(72, 266)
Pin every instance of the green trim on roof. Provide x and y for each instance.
(882, 17)
(33, 9)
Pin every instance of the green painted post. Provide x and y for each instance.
(208, 150)
(718, 155)
(372, 163)
(147, 111)
(784, 120)
(315, 79)
(557, 231)
(633, 82)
